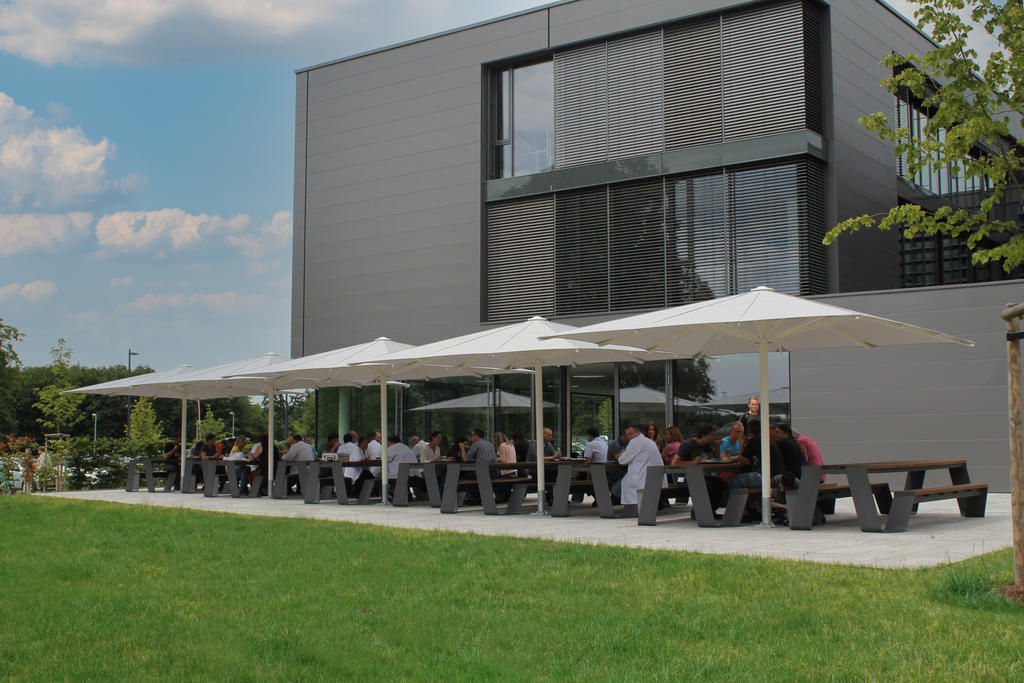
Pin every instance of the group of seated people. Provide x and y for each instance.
(637, 448)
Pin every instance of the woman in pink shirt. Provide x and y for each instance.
(506, 451)
(811, 450)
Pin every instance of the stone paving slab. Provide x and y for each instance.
(937, 534)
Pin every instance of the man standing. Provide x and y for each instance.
(753, 412)
(641, 453)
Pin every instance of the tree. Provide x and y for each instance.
(9, 364)
(971, 114)
(59, 411)
(145, 428)
(211, 425)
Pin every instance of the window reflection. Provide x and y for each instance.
(524, 120)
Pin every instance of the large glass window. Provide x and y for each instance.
(642, 394)
(593, 402)
(524, 121)
(715, 390)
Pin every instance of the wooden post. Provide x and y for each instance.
(1012, 316)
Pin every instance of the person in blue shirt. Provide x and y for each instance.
(732, 445)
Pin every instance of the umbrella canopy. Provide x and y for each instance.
(127, 386)
(758, 321)
(505, 400)
(338, 367)
(508, 349)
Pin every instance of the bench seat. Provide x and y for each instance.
(970, 497)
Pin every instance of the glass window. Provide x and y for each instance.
(715, 390)
(593, 402)
(642, 394)
(524, 120)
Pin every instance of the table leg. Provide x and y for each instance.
(311, 482)
(210, 477)
(863, 499)
(915, 480)
(133, 476)
(560, 494)
(433, 490)
(699, 496)
(450, 496)
(602, 492)
(647, 513)
(150, 484)
(801, 512)
(486, 488)
(401, 497)
(340, 489)
(958, 475)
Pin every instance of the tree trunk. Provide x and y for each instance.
(1012, 316)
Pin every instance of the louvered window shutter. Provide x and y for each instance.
(693, 84)
(635, 95)
(581, 252)
(636, 229)
(581, 105)
(813, 258)
(764, 210)
(764, 71)
(697, 238)
(520, 262)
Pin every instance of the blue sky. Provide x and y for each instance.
(146, 165)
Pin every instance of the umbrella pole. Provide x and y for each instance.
(184, 442)
(384, 440)
(766, 454)
(270, 444)
(538, 432)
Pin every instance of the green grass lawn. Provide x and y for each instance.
(102, 591)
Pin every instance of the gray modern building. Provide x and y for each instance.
(592, 158)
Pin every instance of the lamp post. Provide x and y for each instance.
(128, 431)
(232, 424)
(94, 435)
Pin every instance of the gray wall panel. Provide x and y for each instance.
(299, 217)
(437, 160)
(923, 401)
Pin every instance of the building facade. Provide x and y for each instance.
(593, 158)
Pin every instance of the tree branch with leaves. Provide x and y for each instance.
(973, 111)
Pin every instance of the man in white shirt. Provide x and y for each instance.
(398, 453)
(349, 450)
(416, 445)
(374, 451)
(299, 450)
(640, 454)
(597, 448)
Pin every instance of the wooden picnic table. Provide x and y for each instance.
(870, 506)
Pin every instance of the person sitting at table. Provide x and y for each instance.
(652, 433)
(641, 452)
(522, 446)
(506, 451)
(374, 451)
(673, 440)
(331, 445)
(692, 452)
(550, 452)
(398, 453)
(352, 451)
(299, 450)
(431, 448)
(596, 449)
(479, 450)
(793, 458)
(752, 456)
(811, 451)
(416, 444)
(172, 458)
(258, 459)
(241, 460)
(732, 444)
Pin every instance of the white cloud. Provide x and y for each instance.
(125, 281)
(32, 292)
(223, 303)
(134, 230)
(150, 31)
(267, 241)
(49, 166)
(20, 232)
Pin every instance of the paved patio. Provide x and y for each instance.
(937, 534)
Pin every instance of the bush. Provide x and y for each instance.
(103, 465)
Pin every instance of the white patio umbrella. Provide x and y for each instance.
(758, 321)
(505, 400)
(507, 349)
(338, 368)
(134, 386)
